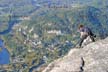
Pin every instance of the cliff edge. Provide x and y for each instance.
(92, 58)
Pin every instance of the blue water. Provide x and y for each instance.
(4, 54)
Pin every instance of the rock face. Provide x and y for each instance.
(91, 58)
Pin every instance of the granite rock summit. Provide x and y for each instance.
(91, 58)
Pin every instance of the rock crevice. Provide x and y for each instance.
(82, 65)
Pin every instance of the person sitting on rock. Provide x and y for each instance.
(84, 33)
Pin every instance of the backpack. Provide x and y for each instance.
(88, 30)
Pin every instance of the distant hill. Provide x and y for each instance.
(24, 7)
(67, 20)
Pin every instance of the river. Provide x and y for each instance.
(4, 53)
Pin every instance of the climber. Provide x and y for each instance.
(84, 33)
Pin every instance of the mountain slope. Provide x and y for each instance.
(91, 58)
